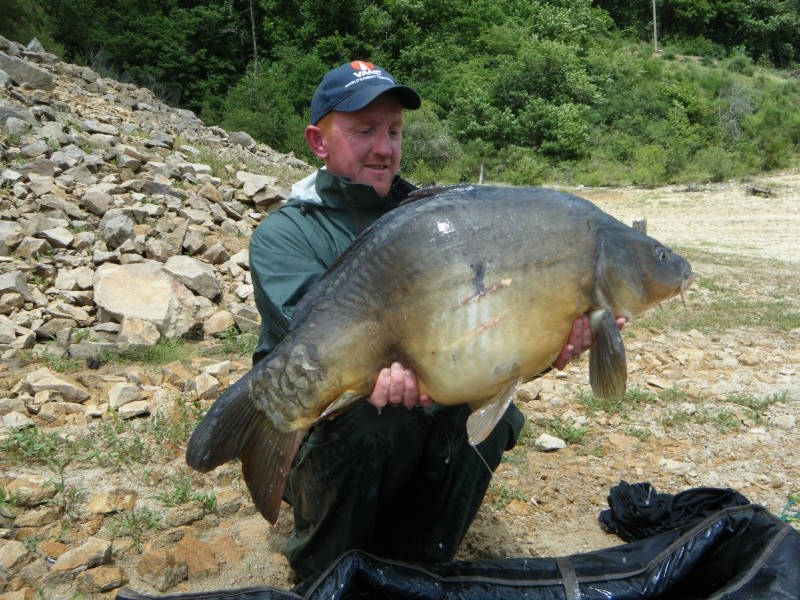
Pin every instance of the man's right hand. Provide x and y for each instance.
(398, 385)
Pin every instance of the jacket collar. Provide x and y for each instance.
(334, 191)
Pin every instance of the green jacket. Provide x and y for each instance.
(294, 246)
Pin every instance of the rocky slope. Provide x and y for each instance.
(123, 225)
(126, 306)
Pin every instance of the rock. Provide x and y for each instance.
(31, 491)
(246, 317)
(37, 518)
(11, 235)
(92, 553)
(92, 126)
(218, 322)
(137, 334)
(194, 242)
(8, 111)
(96, 201)
(216, 254)
(183, 514)
(253, 183)
(198, 276)
(162, 569)
(210, 192)
(206, 386)
(134, 409)
(199, 557)
(12, 555)
(101, 579)
(46, 380)
(146, 292)
(18, 127)
(548, 443)
(220, 369)
(31, 247)
(53, 411)
(21, 71)
(14, 421)
(116, 227)
(15, 282)
(123, 393)
(112, 501)
(242, 138)
(787, 422)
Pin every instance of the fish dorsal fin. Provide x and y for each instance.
(483, 420)
(433, 190)
(341, 404)
(608, 369)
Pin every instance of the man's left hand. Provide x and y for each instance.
(580, 340)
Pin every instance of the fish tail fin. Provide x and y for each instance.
(266, 462)
(225, 429)
(608, 369)
(235, 428)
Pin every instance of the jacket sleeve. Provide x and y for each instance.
(284, 264)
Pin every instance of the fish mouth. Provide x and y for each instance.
(685, 283)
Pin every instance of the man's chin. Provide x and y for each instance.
(381, 186)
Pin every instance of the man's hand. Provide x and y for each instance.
(580, 340)
(396, 385)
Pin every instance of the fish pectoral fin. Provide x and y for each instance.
(341, 404)
(486, 416)
(608, 369)
(266, 462)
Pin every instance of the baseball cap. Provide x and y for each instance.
(353, 85)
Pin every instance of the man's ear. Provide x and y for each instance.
(315, 138)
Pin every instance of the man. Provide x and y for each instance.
(401, 482)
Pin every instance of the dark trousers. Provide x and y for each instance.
(400, 484)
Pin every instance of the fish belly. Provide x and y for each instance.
(469, 350)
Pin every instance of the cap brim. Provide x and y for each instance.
(358, 100)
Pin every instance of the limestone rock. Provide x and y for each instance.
(136, 334)
(21, 71)
(45, 380)
(112, 501)
(218, 322)
(162, 569)
(101, 579)
(123, 393)
(194, 274)
(548, 443)
(12, 554)
(146, 292)
(92, 553)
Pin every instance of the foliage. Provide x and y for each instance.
(133, 524)
(567, 431)
(520, 92)
(24, 20)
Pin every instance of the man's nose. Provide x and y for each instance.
(383, 144)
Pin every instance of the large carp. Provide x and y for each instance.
(473, 288)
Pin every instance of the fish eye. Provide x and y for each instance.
(661, 252)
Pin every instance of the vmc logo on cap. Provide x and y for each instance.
(362, 68)
(353, 85)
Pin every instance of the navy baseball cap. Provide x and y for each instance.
(354, 85)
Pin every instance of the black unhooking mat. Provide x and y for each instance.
(741, 552)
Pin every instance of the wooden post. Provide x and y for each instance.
(655, 29)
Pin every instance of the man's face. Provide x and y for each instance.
(364, 145)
